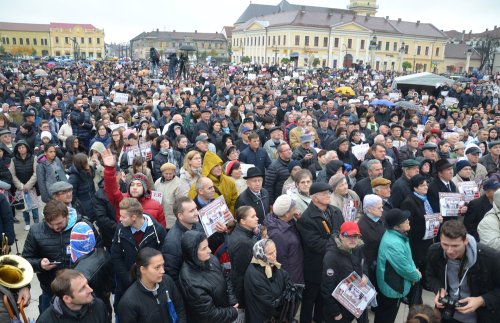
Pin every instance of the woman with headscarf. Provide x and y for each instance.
(153, 297)
(168, 185)
(346, 156)
(208, 295)
(265, 284)
(345, 199)
(303, 182)
(94, 263)
(95, 162)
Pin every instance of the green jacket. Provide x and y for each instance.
(395, 268)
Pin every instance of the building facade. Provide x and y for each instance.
(54, 39)
(166, 42)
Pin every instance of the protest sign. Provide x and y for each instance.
(394, 96)
(143, 149)
(286, 78)
(300, 99)
(371, 95)
(398, 143)
(359, 151)
(113, 126)
(213, 213)
(450, 203)
(97, 99)
(350, 209)
(431, 225)
(469, 189)
(251, 76)
(355, 299)
(245, 168)
(449, 101)
(157, 196)
(121, 98)
(188, 89)
(444, 93)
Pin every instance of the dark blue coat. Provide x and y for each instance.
(259, 158)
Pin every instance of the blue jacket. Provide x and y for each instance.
(396, 270)
(259, 158)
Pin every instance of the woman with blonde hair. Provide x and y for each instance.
(191, 170)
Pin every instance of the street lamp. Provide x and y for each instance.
(401, 52)
(467, 62)
(275, 51)
(373, 47)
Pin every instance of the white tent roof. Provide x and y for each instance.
(422, 79)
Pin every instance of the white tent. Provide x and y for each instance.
(421, 79)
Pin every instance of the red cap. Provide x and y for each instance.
(349, 228)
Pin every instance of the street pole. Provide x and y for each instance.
(401, 52)
(467, 62)
(373, 47)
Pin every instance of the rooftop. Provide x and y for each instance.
(14, 26)
(179, 36)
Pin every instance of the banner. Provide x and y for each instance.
(113, 126)
(359, 151)
(144, 149)
(97, 99)
(450, 203)
(355, 299)
(469, 189)
(121, 98)
(157, 196)
(213, 213)
(431, 225)
(448, 101)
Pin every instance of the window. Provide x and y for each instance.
(20, 41)
(98, 40)
(316, 41)
(91, 54)
(426, 50)
(437, 51)
(334, 63)
(336, 43)
(325, 41)
(349, 43)
(419, 50)
(274, 40)
(362, 45)
(7, 39)
(82, 41)
(57, 39)
(27, 41)
(3, 40)
(268, 40)
(306, 40)
(387, 44)
(379, 46)
(90, 42)
(58, 53)
(407, 48)
(395, 47)
(279, 40)
(297, 40)
(284, 40)
(425, 67)
(99, 55)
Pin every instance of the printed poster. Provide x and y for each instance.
(143, 149)
(359, 151)
(354, 298)
(121, 98)
(431, 225)
(450, 203)
(469, 189)
(157, 196)
(213, 213)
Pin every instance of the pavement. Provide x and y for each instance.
(32, 310)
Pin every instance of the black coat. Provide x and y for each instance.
(263, 296)
(399, 191)
(240, 249)
(418, 246)
(491, 166)
(58, 312)
(483, 278)
(124, 250)
(435, 187)
(23, 167)
(475, 213)
(337, 265)
(105, 217)
(208, 295)
(388, 170)
(315, 237)
(363, 188)
(140, 305)
(83, 186)
(261, 205)
(6, 219)
(372, 233)
(276, 175)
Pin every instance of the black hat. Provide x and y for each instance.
(273, 129)
(493, 143)
(490, 184)
(442, 164)
(323, 118)
(205, 111)
(416, 180)
(396, 125)
(473, 150)
(247, 120)
(385, 123)
(253, 172)
(395, 217)
(319, 187)
(28, 113)
(408, 124)
(429, 146)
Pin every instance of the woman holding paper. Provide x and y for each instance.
(344, 255)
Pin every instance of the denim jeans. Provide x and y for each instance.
(26, 216)
(44, 301)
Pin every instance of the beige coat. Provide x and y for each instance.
(64, 132)
(171, 192)
(338, 201)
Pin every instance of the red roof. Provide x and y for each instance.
(69, 26)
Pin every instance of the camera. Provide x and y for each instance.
(449, 307)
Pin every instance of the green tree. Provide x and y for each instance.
(285, 60)
(33, 52)
(406, 65)
(245, 59)
(419, 66)
(2, 49)
(315, 62)
(213, 53)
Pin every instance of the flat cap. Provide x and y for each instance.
(319, 187)
(60, 187)
(410, 163)
(380, 181)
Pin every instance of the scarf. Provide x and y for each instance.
(268, 268)
(427, 205)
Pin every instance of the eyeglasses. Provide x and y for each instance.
(354, 236)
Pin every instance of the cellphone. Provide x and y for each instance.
(54, 262)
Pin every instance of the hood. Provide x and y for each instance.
(98, 146)
(62, 311)
(210, 161)
(69, 143)
(496, 201)
(6, 149)
(272, 222)
(332, 167)
(336, 243)
(19, 143)
(471, 251)
(170, 131)
(189, 244)
(422, 164)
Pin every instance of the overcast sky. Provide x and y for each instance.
(123, 20)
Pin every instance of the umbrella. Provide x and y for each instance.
(347, 90)
(40, 72)
(187, 48)
(464, 79)
(407, 105)
(292, 297)
(387, 103)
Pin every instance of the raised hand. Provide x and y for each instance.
(108, 158)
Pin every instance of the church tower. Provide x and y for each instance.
(363, 8)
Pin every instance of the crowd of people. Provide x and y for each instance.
(110, 169)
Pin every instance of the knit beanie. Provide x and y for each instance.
(81, 240)
(282, 205)
(230, 166)
(461, 164)
(144, 181)
(292, 164)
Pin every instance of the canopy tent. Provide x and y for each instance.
(421, 79)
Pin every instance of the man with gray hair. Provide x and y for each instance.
(363, 187)
(205, 192)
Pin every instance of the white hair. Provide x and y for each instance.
(370, 201)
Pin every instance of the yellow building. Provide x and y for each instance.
(336, 38)
(54, 39)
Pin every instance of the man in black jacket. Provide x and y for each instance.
(364, 187)
(402, 188)
(316, 225)
(255, 196)
(278, 172)
(442, 183)
(74, 301)
(477, 208)
(467, 272)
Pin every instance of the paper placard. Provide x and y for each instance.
(113, 126)
(469, 189)
(245, 168)
(300, 99)
(121, 98)
(143, 149)
(213, 213)
(371, 95)
(295, 75)
(394, 96)
(398, 143)
(286, 78)
(157, 196)
(448, 101)
(188, 89)
(359, 151)
(251, 76)
(444, 93)
(354, 298)
(450, 203)
(97, 99)
(431, 225)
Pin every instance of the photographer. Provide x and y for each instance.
(465, 275)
